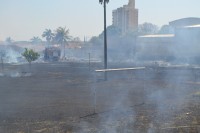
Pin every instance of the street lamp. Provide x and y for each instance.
(104, 2)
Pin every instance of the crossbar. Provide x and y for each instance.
(120, 69)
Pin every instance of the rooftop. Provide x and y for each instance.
(193, 26)
(157, 36)
(185, 22)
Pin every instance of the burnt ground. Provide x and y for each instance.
(60, 98)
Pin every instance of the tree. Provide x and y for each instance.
(48, 35)
(147, 28)
(112, 31)
(104, 2)
(62, 36)
(166, 29)
(76, 39)
(96, 41)
(35, 40)
(101, 1)
(129, 42)
(30, 55)
(9, 40)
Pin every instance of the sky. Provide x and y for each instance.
(23, 19)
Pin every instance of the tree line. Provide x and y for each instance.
(58, 36)
(146, 28)
(121, 46)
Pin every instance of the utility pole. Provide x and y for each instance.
(2, 54)
(2, 65)
(104, 2)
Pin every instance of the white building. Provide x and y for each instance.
(126, 17)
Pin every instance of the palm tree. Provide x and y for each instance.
(101, 1)
(62, 36)
(35, 40)
(104, 2)
(48, 35)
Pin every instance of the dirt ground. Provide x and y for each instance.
(66, 97)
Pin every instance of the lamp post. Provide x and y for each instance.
(104, 2)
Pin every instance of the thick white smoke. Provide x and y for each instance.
(11, 53)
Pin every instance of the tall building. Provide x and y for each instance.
(126, 17)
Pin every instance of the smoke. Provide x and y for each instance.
(12, 56)
(15, 74)
(135, 101)
(121, 49)
(180, 47)
(115, 103)
(11, 53)
(1, 74)
(187, 45)
(83, 54)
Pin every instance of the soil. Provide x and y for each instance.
(68, 97)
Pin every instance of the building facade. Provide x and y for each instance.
(126, 17)
(183, 45)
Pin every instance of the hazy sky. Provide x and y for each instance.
(23, 19)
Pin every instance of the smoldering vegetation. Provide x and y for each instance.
(169, 83)
(69, 96)
(157, 99)
(15, 74)
(10, 53)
